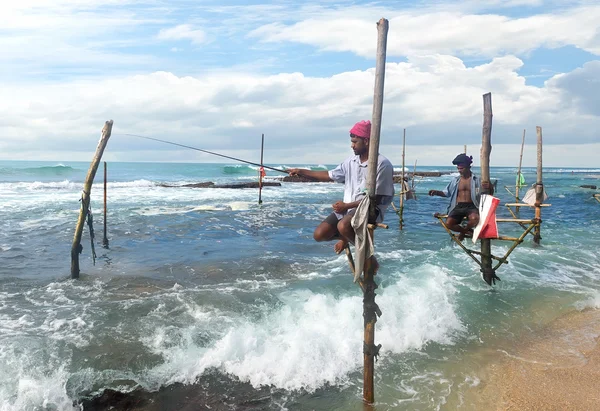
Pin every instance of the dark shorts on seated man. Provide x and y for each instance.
(463, 210)
(332, 220)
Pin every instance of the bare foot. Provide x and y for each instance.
(339, 246)
(461, 236)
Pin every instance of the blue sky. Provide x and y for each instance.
(217, 74)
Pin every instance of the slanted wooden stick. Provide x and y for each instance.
(539, 188)
(85, 198)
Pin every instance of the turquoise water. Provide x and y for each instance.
(204, 286)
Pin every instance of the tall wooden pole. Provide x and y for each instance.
(519, 170)
(402, 193)
(370, 309)
(382, 30)
(260, 176)
(486, 149)
(105, 239)
(539, 188)
(518, 181)
(85, 198)
(465, 149)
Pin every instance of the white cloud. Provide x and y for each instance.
(85, 37)
(305, 119)
(182, 32)
(415, 32)
(55, 38)
(580, 88)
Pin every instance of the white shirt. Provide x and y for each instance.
(353, 174)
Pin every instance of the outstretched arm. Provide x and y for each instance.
(317, 175)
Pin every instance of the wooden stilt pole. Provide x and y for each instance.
(465, 149)
(260, 176)
(486, 149)
(519, 171)
(539, 188)
(402, 190)
(85, 198)
(412, 183)
(105, 239)
(370, 309)
(518, 181)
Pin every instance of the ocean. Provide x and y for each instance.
(206, 298)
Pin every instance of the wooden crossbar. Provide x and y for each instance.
(514, 220)
(526, 205)
(505, 238)
(498, 220)
(380, 225)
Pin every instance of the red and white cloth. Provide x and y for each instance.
(487, 227)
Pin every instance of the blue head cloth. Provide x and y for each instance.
(463, 159)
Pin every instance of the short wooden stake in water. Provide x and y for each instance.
(85, 198)
(402, 191)
(405, 187)
(518, 183)
(260, 171)
(486, 149)
(539, 189)
(105, 239)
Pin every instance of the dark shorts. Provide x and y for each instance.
(463, 210)
(332, 219)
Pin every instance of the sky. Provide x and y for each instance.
(216, 75)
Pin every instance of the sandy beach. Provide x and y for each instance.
(558, 369)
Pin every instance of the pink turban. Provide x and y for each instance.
(362, 129)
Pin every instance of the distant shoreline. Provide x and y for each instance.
(554, 169)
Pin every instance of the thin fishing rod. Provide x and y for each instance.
(204, 151)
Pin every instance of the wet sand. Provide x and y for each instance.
(558, 369)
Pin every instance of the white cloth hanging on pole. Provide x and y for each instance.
(530, 196)
(363, 243)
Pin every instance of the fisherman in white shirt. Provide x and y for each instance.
(353, 174)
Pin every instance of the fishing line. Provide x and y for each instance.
(204, 151)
